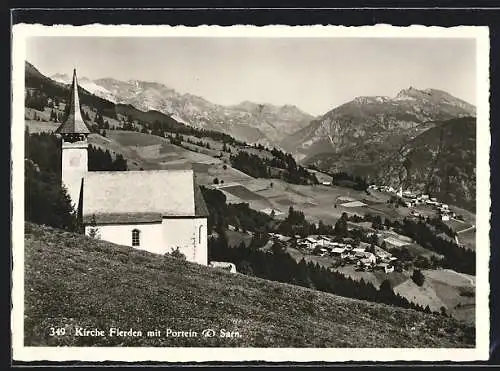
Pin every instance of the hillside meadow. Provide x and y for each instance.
(73, 281)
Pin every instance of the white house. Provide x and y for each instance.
(270, 211)
(445, 217)
(338, 251)
(370, 258)
(223, 265)
(359, 249)
(314, 240)
(157, 211)
(389, 268)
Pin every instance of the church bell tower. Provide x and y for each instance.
(74, 133)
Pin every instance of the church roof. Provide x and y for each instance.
(74, 123)
(141, 196)
(200, 207)
(117, 218)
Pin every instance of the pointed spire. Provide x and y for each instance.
(74, 123)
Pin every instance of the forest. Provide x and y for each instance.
(259, 167)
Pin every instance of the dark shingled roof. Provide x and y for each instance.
(74, 123)
(200, 207)
(115, 218)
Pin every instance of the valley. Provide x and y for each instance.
(325, 203)
(150, 138)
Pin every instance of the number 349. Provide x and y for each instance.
(60, 331)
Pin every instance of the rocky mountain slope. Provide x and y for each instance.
(247, 121)
(440, 161)
(367, 126)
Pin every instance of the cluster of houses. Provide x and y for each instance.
(346, 253)
(412, 199)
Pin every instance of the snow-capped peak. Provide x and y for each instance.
(87, 84)
(61, 77)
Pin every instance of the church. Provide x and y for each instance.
(157, 211)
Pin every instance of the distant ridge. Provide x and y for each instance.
(247, 121)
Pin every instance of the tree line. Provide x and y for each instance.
(344, 179)
(259, 167)
(241, 215)
(36, 100)
(101, 160)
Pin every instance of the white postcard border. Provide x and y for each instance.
(481, 352)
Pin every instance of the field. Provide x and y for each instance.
(457, 225)
(75, 281)
(134, 139)
(242, 192)
(41, 126)
(418, 250)
(468, 239)
(154, 152)
(424, 295)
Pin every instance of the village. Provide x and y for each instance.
(342, 252)
(345, 251)
(411, 199)
(375, 252)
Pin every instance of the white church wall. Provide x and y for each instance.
(150, 236)
(190, 235)
(185, 234)
(202, 249)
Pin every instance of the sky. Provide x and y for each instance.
(315, 74)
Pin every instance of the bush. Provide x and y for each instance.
(176, 254)
(418, 277)
(94, 230)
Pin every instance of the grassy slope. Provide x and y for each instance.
(71, 280)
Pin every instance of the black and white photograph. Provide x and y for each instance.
(250, 193)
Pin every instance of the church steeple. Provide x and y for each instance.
(74, 156)
(74, 123)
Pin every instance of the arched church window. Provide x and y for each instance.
(136, 241)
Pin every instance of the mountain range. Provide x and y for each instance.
(250, 122)
(390, 140)
(374, 122)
